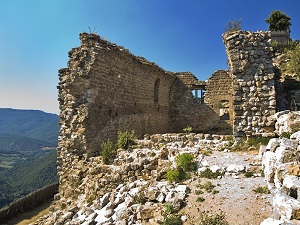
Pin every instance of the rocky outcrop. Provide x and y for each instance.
(282, 170)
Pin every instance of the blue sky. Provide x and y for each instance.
(178, 35)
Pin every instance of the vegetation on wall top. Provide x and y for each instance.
(232, 26)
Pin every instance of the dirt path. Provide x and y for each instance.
(233, 193)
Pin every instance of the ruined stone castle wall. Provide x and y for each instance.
(106, 89)
(218, 94)
(184, 112)
(250, 63)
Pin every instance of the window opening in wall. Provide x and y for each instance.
(156, 90)
(198, 96)
(224, 110)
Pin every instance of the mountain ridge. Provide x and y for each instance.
(34, 124)
(28, 139)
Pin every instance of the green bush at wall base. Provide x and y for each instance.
(108, 151)
(125, 139)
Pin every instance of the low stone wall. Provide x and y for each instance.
(28, 202)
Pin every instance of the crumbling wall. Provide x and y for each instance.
(185, 112)
(218, 95)
(250, 63)
(105, 89)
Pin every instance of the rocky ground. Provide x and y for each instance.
(133, 189)
(235, 195)
(144, 200)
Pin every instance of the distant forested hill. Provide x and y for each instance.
(30, 123)
(26, 177)
(10, 143)
(28, 141)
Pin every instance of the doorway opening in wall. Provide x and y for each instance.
(198, 96)
(224, 110)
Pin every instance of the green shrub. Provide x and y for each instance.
(208, 186)
(108, 151)
(252, 143)
(262, 190)
(185, 161)
(187, 129)
(286, 135)
(200, 199)
(256, 142)
(215, 192)
(293, 66)
(173, 220)
(125, 139)
(249, 174)
(175, 175)
(198, 192)
(207, 218)
(278, 21)
(207, 173)
(169, 209)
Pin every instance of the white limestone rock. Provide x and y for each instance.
(295, 136)
(273, 144)
(161, 197)
(215, 168)
(269, 164)
(289, 208)
(270, 221)
(181, 188)
(233, 168)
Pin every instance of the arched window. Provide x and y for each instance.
(156, 90)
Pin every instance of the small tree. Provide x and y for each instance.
(279, 21)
